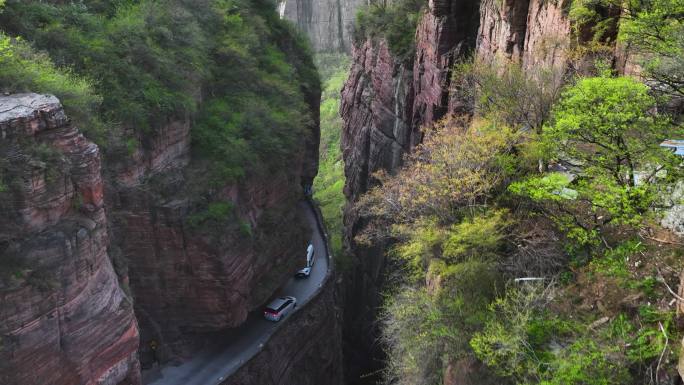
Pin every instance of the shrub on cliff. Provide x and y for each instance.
(504, 91)
(393, 21)
(455, 171)
(450, 237)
(23, 69)
(653, 31)
(523, 340)
(256, 117)
(143, 55)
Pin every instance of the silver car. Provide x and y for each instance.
(279, 307)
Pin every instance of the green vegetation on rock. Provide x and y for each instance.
(23, 69)
(150, 62)
(124, 69)
(329, 185)
(394, 21)
(521, 235)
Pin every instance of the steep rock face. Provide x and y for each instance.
(444, 34)
(503, 28)
(376, 106)
(188, 280)
(167, 148)
(384, 104)
(192, 280)
(327, 23)
(547, 35)
(64, 319)
(532, 33)
(537, 35)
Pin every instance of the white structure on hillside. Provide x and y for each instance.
(677, 145)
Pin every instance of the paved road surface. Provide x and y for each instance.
(213, 364)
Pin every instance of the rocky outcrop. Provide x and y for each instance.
(673, 217)
(445, 34)
(385, 102)
(538, 34)
(547, 35)
(376, 107)
(64, 317)
(327, 23)
(167, 148)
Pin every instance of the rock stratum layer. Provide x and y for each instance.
(64, 317)
(189, 281)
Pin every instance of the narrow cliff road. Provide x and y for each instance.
(218, 362)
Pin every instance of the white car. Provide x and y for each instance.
(303, 273)
(279, 307)
(310, 256)
(310, 259)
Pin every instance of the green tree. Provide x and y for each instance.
(329, 184)
(394, 21)
(607, 128)
(652, 30)
(655, 31)
(453, 172)
(524, 341)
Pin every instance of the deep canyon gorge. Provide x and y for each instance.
(155, 155)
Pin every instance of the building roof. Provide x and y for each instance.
(676, 144)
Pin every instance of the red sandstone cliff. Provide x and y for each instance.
(66, 264)
(190, 280)
(64, 318)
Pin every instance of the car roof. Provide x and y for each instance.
(276, 303)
